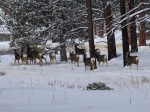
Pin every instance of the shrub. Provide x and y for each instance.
(98, 86)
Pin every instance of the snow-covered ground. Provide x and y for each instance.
(60, 87)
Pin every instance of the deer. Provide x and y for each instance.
(17, 56)
(80, 51)
(101, 58)
(52, 56)
(40, 56)
(89, 62)
(132, 60)
(33, 55)
(24, 58)
(74, 58)
(97, 50)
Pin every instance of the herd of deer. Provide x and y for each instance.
(74, 57)
(32, 56)
(100, 58)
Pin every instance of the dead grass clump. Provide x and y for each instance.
(2, 73)
(145, 80)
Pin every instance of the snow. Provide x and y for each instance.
(60, 87)
(4, 45)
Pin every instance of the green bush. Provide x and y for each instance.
(98, 86)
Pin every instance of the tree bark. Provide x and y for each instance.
(125, 41)
(100, 29)
(134, 47)
(90, 31)
(142, 35)
(111, 45)
(63, 53)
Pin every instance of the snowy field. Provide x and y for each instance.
(60, 87)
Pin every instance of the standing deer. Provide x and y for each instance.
(132, 60)
(89, 62)
(52, 56)
(101, 58)
(33, 54)
(17, 56)
(97, 51)
(80, 51)
(24, 58)
(74, 58)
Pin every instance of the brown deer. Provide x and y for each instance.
(24, 58)
(97, 51)
(33, 55)
(132, 60)
(74, 58)
(101, 58)
(17, 56)
(52, 56)
(80, 51)
(89, 62)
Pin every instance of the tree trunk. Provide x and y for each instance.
(134, 47)
(125, 41)
(100, 29)
(142, 35)
(110, 34)
(63, 53)
(127, 7)
(90, 31)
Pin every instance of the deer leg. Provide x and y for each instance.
(50, 60)
(130, 66)
(26, 60)
(31, 61)
(15, 61)
(71, 62)
(55, 60)
(34, 60)
(22, 60)
(103, 63)
(44, 59)
(91, 68)
(78, 64)
(99, 63)
(106, 63)
(41, 60)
